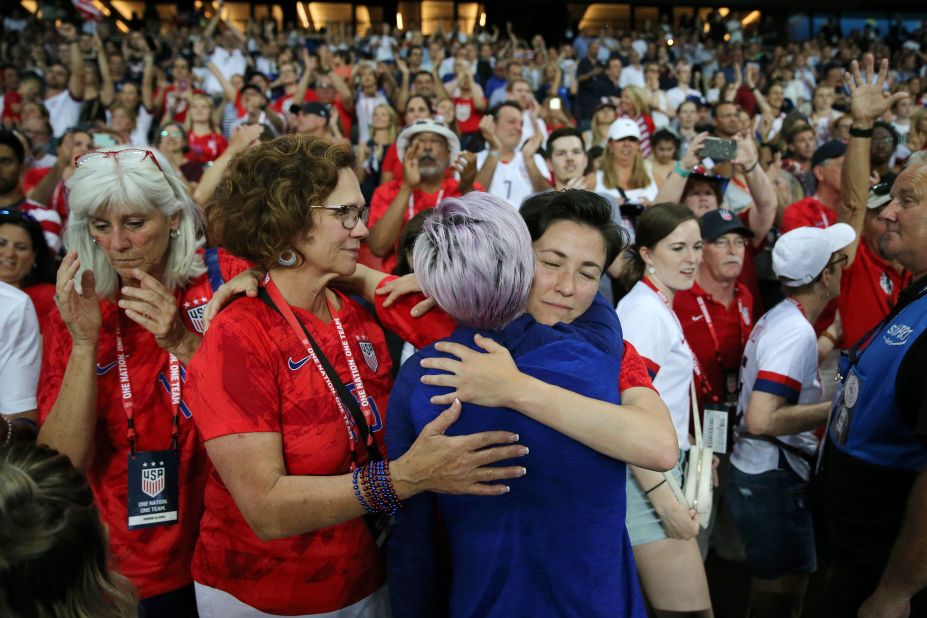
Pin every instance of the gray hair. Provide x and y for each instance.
(106, 185)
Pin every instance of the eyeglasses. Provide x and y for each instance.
(726, 243)
(350, 215)
(167, 133)
(841, 258)
(883, 140)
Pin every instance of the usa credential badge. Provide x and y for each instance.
(369, 353)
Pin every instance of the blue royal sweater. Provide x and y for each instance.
(556, 544)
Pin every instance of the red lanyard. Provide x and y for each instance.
(799, 305)
(359, 391)
(696, 366)
(412, 201)
(125, 386)
(711, 327)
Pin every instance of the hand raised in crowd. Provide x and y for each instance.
(244, 137)
(482, 378)
(402, 66)
(80, 311)
(154, 307)
(410, 173)
(746, 155)
(868, 97)
(465, 165)
(459, 464)
(488, 130)
(580, 182)
(694, 153)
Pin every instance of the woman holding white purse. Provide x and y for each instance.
(661, 527)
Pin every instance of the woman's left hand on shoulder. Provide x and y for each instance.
(483, 378)
(154, 307)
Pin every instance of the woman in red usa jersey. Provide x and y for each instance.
(289, 391)
(129, 298)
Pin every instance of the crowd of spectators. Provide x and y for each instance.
(755, 181)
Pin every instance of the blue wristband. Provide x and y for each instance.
(679, 170)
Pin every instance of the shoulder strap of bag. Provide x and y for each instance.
(373, 451)
(693, 402)
(785, 446)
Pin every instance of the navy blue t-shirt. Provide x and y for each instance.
(556, 544)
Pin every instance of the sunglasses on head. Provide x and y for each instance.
(883, 188)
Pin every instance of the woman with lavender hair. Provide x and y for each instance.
(555, 544)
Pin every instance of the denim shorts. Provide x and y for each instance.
(643, 523)
(773, 515)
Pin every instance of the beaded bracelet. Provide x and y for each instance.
(373, 488)
(357, 492)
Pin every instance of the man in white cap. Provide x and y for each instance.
(427, 148)
(505, 170)
(780, 405)
(874, 467)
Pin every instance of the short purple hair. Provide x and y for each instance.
(474, 257)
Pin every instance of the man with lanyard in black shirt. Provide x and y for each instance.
(875, 456)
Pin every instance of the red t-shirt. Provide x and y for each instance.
(252, 374)
(436, 325)
(43, 299)
(392, 162)
(732, 326)
(33, 177)
(156, 559)
(807, 212)
(385, 194)
(205, 148)
(468, 119)
(869, 288)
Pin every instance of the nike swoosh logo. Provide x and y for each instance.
(696, 318)
(295, 365)
(104, 369)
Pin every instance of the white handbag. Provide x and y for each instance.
(696, 492)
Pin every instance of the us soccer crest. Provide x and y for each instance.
(886, 284)
(196, 307)
(368, 352)
(152, 481)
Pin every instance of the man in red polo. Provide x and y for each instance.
(427, 149)
(716, 312)
(820, 209)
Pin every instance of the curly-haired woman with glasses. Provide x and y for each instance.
(289, 391)
(129, 296)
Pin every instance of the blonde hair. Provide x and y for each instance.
(53, 546)
(211, 121)
(104, 184)
(639, 98)
(916, 139)
(393, 130)
(638, 179)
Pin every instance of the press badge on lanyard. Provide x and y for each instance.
(153, 483)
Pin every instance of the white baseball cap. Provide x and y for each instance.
(427, 125)
(801, 254)
(622, 128)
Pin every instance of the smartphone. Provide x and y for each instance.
(182, 85)
(555, 103)
(719, 150)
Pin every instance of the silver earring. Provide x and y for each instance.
(287, 258)
(175, 234)
(651, 270)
